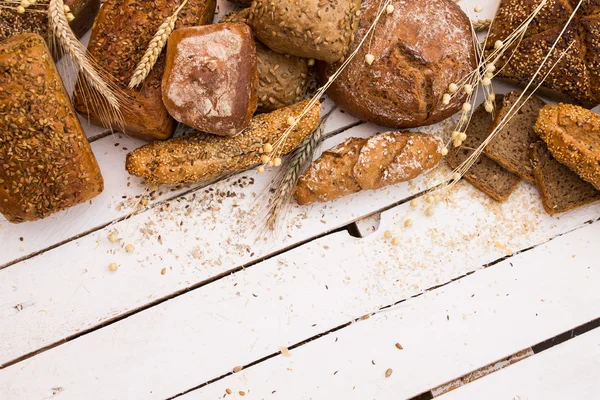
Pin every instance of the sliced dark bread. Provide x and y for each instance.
(510, 146)
(485, 174)
(561, 189)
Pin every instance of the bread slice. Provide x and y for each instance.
(485, 174)
(572, 134)
(561, 189)
(510, 146)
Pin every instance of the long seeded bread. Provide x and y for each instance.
(572, 134)
(560, 188)
(46, 164)
(510, 146)
(485, 174)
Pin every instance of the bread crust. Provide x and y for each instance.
(119, 39)
(46, 164)
(419, 49)
(211, 77)
(572, 134)
(368, 164)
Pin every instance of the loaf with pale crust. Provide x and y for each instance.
(368, 164)
(46, 164)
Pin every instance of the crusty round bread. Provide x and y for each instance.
(419, 49)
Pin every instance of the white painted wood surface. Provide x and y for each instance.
(140, 334)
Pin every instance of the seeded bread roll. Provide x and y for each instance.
(319, 29)
(282, 78)
(577, 75)
(211, 77)
(199, 157)
(46, 164)
(119, 39)
(419, 49)
(572, 134)
(368, 164)
(35, 18)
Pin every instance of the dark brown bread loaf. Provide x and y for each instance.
(368, 164)
(46, 164)
(572, 134)
(120, 37)
(510, 146)
(35, 18)
(211, 77)
(560, 188)
(577, 75)
(419, 49)
(282, 78)
(485, 174)
(319, 29)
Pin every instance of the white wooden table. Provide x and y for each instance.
(487, 300)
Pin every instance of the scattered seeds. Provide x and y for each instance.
(242, 393)
(228, 391)
(163, 271)
(129, 248)
(387, 234)
(113, 267)
(113, 238)
(237, 369)
(396, 241)
(388, 372)
(399, 346)
(408, 223)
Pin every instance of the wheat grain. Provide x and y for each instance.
(155, 48)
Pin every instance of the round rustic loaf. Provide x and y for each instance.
(319, 29)
(419, 49)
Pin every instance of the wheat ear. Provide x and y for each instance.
(481, 24)
(286, 180)
(91, 72)
(155, 48)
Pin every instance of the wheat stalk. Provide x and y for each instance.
(91, 72)
(287, 179)
(155, 48)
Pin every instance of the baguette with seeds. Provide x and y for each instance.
(200, 157)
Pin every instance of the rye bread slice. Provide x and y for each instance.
(485, 174)
(510, 146)
(561, 189)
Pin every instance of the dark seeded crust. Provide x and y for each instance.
(485, 174)
(560, 188)
(319, 29)
(46, 164)
(414, 64)
(211, 77)
(120, 37)
(13, 23)
(510, 146)
(572, 134)
(577, 74)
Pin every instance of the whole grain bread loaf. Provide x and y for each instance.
(577, 75)
(419, 49)
(560, 188)
(199, 157)
(46, 164)
(510, 145)
(319, 29)
(35, 18)
(572, 134)
(485, 174)
(119, 39)
(211, 77)
(368, 164)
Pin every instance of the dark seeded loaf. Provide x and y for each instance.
(510, 146)
(485, 174)
(560, 188)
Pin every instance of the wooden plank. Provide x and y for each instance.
(567, 371)
(452, 331)
(245, 316)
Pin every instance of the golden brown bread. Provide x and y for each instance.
(372, 163)
(572, 134)
(577, 75)
(200, 157)
(120, 37)
(35, 18)
(419, 49)
(46, 163)
(319, 29)
(211, 77)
